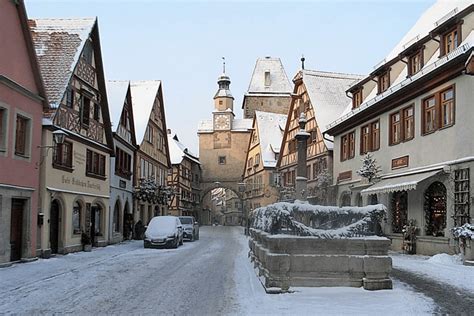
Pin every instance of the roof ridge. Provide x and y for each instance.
(309, 71)
(64, 18)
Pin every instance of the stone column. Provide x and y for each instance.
(301, 171)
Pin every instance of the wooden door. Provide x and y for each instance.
(16, 229)
(54, 227)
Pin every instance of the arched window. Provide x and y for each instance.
(76, 218)
(373, 200)
(116, 218)
(399, 210)
(346, 199)
(435, 209)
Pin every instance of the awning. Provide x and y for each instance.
(402, 183)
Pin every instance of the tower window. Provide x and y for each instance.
(222, 160)
(220, 102)
(267, 78)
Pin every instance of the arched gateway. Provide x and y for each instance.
(223, 145)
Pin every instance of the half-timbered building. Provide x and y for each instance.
(413, 114)
(122, 164)
(262, 155)
(22, 100)
(152, 160)
(75, 174)
(184, 178)
(321, 97)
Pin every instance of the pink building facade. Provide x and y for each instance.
(22, 100)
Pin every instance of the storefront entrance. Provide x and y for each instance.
(54, 227)
(16, 229)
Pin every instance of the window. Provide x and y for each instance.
(63, 155)
(399, 211)
(383, 81)
(357, 98)
(3, 128)
(124, 118)
(402, 125)
(76, 218)
(122, 163)
(408, 123)
(370, 137)
(461, 197)
(149, 134)
(254, 137)
(267, 79)
(429, 113)
(447, 107)
(96, 112)
(450, 41)
(87, 53)
(257, 159)
(222, 160)
(95, 164)
(348, 146)
(85, 111)
(415, 62)
(395, 128)
(250, 163)
(21, 136)
(439, 110)
(292, 146)
(435, 209)
(314, 136)
(70, 97)
(116, 219)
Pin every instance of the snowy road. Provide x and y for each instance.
(212, 276)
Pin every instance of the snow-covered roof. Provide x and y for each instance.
(58, 44)
(327, 93)
(178, 151)
(438, 13)
(116, 94)
(270, 128)
(206, 126)
(278, 82)
(434, 63)
(143, 95)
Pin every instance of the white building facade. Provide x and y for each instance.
(413, 114)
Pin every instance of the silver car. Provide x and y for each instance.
(164, 231)
(190, 227)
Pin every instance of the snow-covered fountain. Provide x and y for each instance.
(298, 244)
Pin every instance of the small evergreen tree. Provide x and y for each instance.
(369, 169)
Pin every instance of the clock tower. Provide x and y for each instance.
(223, 113)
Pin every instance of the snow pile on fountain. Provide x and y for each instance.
(304, 219)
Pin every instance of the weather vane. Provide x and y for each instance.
(302, 61)
(223, 65)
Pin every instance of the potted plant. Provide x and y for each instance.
(86, 242)
(465, 238)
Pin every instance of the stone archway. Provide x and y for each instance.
(229, 213)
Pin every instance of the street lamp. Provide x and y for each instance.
(58, 137)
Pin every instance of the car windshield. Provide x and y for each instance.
(186, 220)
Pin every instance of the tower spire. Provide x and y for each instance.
(302, 62)
(223, 65)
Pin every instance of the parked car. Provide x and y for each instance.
(164, 231)
(191, 227)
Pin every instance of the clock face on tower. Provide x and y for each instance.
(221, 122)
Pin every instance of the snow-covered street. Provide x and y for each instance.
(208, 277)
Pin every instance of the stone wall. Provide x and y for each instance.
(283, 261)
(273, 104)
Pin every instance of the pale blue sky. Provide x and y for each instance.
(182, 42)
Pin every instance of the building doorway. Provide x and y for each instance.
(54, 227)
(16, 229)
(96, 223)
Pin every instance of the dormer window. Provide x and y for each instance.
(450, 40)
(383, 81)
(267, 79)
(415, 62)
(356, 98)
